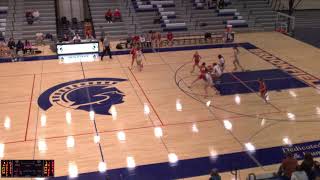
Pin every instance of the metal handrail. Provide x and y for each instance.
(14, 17)
(90, 14)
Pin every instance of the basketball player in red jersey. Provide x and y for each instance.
(170, 39)
(158, 40)
(203, 71)
(262, 89)
(153, 39)
(196, 58)
(133, 53)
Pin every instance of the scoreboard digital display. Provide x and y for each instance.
(27, 168)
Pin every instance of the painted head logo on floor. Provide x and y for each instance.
(97, 94)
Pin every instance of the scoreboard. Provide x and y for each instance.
(78, 48)
(27, 168)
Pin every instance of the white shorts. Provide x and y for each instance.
(209, 79)
(139, 60)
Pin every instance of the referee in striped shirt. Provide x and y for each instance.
(106, 47)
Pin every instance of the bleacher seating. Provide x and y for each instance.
(144, 6)
(227, 12)
(199, 4)
(236, 21)
(116, 30)
(70, 28)
(259, 10)
(167, 17)
(3, 9)
(47, 22)
(3, 20)
(307, 26)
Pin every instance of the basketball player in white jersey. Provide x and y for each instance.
(221, 62)
(236, 62)
(139, 57)
(208, 83)
(217, 71)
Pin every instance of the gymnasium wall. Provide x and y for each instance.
(71, 8)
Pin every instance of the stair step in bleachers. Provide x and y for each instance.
(166, 13)
(46, 23)
(143, 6)
(3, 21)
(259, 11)
(116, 30)
(236, 21)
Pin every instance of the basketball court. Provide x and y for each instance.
(81, 114)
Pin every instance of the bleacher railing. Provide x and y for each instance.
(13, 17)
(90, 19)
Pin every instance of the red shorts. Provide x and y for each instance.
(202, 76)
(263, 91)
(196, 62)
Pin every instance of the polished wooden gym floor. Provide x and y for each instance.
(152, 99)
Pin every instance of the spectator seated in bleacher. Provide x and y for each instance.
(212, 4)
(19, 47)
(108, 16)
(65, 38)
(207, 36)
(39, 38)
(27, 47)
(71, 32)
(12, 45)
(74, 24)
(90, 37)
(35, 15)
(76, 38)
(117, 15)
(220, 4)
(29, 17)
(223, 3)
(64, 20)
(49, 36)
